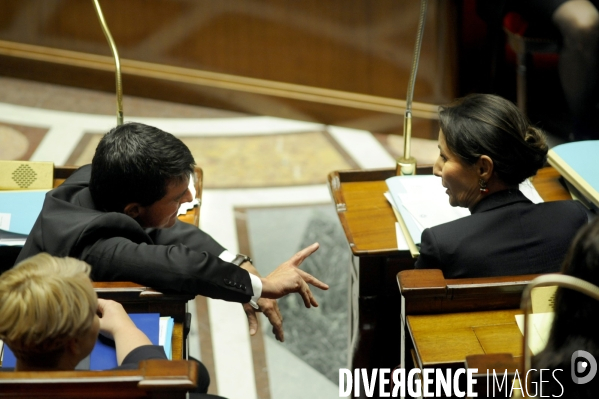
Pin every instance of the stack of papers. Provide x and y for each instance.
(165, 335)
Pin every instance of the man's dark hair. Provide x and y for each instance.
(136, 163)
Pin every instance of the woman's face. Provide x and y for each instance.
(460, 178)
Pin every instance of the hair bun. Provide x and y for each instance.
(535, 138)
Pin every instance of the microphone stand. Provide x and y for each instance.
(117, 62)
(406, 165)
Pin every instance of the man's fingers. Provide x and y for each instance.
(252, 319)
(299, 257)
(307, 296)
(310, 279)
(276, 320)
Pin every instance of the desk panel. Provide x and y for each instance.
(447, 339)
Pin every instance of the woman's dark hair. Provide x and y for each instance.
(485, 124)
(136, 163)
(572, 329)
(574, 310)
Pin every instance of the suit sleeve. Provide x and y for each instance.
(122, 252)
(191, 236)
(429, 252)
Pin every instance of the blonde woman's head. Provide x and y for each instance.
(45, 302)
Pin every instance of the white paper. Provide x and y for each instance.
(428, 213)
(162, 330)
(428, 203)
(530, 192)
(5, 221)
(540, 326)
(184, 207)
(402, 244)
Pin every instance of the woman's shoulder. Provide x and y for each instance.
(566, 209)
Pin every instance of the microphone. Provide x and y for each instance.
(406, 165)
(117, 62)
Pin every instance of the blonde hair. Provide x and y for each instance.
(44, 302)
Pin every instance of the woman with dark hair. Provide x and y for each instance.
(487, 148)
(571, 330)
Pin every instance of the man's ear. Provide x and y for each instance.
(133, 209)
(484, 167)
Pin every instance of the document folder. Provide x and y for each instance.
(577, 163)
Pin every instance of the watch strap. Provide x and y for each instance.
(241, 258)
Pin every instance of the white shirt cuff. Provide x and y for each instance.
(256, 282)
(257, 287)
(227, 256)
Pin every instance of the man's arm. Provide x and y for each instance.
(187, 234)
(196, 239)
(130, 255)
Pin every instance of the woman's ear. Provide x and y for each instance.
(484, 167)
(133, 209)
(72, 347)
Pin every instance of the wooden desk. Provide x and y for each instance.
(153, 379)
(446, 339)
(369, 226)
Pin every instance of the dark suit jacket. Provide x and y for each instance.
(505, 235)
(179, 259)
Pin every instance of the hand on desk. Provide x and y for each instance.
(285, 279)
(115, 323)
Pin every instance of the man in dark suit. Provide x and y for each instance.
(119, 214)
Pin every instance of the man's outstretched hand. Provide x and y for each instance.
(288, 278)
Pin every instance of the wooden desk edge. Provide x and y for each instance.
(420, 281)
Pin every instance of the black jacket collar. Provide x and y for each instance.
(500, 199)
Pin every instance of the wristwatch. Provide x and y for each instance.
(240, 258)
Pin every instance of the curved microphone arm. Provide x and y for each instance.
(406, 165)
(560, 280)
(117, 62)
